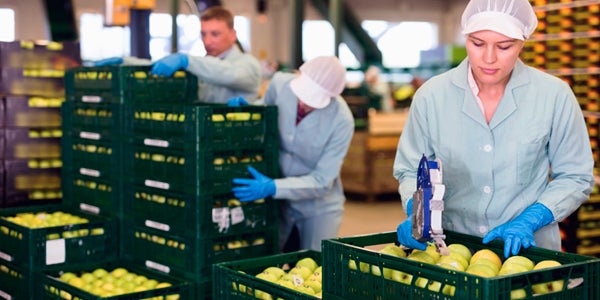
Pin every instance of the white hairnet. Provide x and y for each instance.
(512, 18)
(320, 79)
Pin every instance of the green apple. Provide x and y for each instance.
(393, 250)
(270, 277)
(482, 270)
(352, 265)
(512, 269)
(460, 249)
(421, 256)
(301, 271)
(315, 285)
(308, 262)
(99, 273)
(518, 294)
(277, 272)
(401, 277)
(65, 277)
(364, 267)
(521, 260)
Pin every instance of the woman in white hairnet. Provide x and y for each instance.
(512, 139)
(315, 130)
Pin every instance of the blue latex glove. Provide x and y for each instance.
(108, 62)
(237, 101)
(167, 65)
(252, 189)
(404, 231)
(519, 232)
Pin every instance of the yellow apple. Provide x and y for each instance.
(314, 284)
(518, 294)
(487, 254)
(544, 288)
(393, 250)
(487, 262)
(455, 260)
(402, 277)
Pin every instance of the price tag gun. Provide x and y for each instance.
(428, 204)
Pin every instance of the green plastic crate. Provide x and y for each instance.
(37, 248)
(104, 118)
(16, 282)
(192, 169)
(214, 215)
(127, 84)
(98, 196)
(347, 283)
(51, 287)
(93, 154)
(236, 280)
(192, 257)
(211, 126)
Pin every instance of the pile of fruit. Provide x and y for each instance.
(305, 277)
(103, 283)
(483, 262)
(47, 219)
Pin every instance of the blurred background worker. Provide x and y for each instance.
(379, 87)
(500, 128)
(315, 130)
(225, 72)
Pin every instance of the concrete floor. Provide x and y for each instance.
(362, 217)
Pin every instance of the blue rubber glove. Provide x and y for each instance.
(167, 65)
(404, 231)
(237, 101)
(252, 189)
(111, 61)
(519, 232)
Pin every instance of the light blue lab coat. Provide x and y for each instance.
(310, 160)
(219, 79)
(493, 172)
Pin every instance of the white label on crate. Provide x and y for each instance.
(55, 251)
(89, 172)
(156, 184)
(89, 208)
(5, 256)
(157, 266)
(156, 225)
(156, 143)
(5, 295)
(237, 215)
(220, 216)
(89, 135)
(91, 99)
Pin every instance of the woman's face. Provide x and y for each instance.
(492, 56)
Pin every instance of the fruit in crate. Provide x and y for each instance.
(461, 249)
(548, 287)
(486, 254)
(44, 219)
(118, 281)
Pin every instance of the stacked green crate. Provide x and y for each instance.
(36, 239)
(179, 164)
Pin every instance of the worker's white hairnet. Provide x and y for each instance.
(512, 18)
(320, 79)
